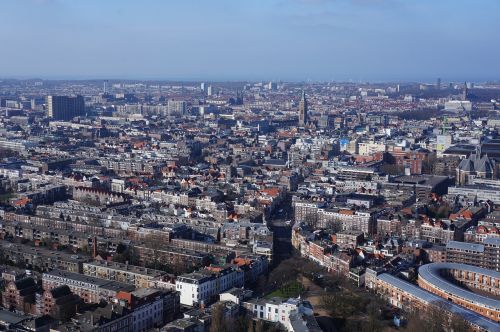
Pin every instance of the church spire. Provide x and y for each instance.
(303, 110)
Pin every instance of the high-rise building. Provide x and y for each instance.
(465, 91)
(65, 107)
(272, 86)
(202, 86)
(211, 91)
(303, 110)
(239, 98)
(438, 84)
(176, 107)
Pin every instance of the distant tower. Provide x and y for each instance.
(64, 107)
(210, 90)
(239, 97)
(438, 84)
(465, 92)
(303, 110)
(105, 87)
(94, 247)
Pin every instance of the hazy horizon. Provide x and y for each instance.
(223, 40)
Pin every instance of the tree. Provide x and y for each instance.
(374, 322)
(343, 304)
(433, 319)
(217, 320)
(284, 273)
(428, 164)
(259, 326)
(155, 242)
(459, 324)
(242, 323)
(84, 249)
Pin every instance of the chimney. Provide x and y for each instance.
(94, 247)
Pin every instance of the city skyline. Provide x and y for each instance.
(248, 166)
(297, 40)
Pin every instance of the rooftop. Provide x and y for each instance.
(465, 246)
(432, 274)
(428, 297)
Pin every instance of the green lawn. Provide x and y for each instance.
(292, 289)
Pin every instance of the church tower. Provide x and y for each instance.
(303, 110)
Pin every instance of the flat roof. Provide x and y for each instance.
(428, 297)
(126, 267)
(432, 274)
(11, 317)
(465, 246)
(492, 240)
(77, 277)
(101, 283)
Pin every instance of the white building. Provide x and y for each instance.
(211, 91)
(148, 315)
(279, 310)
(370, 148)
(205, 285)
(458, 105)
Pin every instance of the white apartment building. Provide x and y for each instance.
(178, 107)
(204, 286)
(278, 310)
(369, 148)
(149, 315)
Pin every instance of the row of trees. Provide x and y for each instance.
(436, 318)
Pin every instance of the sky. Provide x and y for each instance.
(289, 40)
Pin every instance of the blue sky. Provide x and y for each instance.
(359, 40)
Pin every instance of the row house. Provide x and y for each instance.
(477, 234)
(42, 259)
(59, 303)
(437, 231)
(20, 295)
(485, 255)
(90, 289)
(348, 220)
(140, 277)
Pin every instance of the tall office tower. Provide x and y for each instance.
(272, 86)
(303, 110)
(64, 107)
(176, 107)
(211, 91)
(202, 86)
(465, 92)
(438, 84)
(239, 98)
(105, 87)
